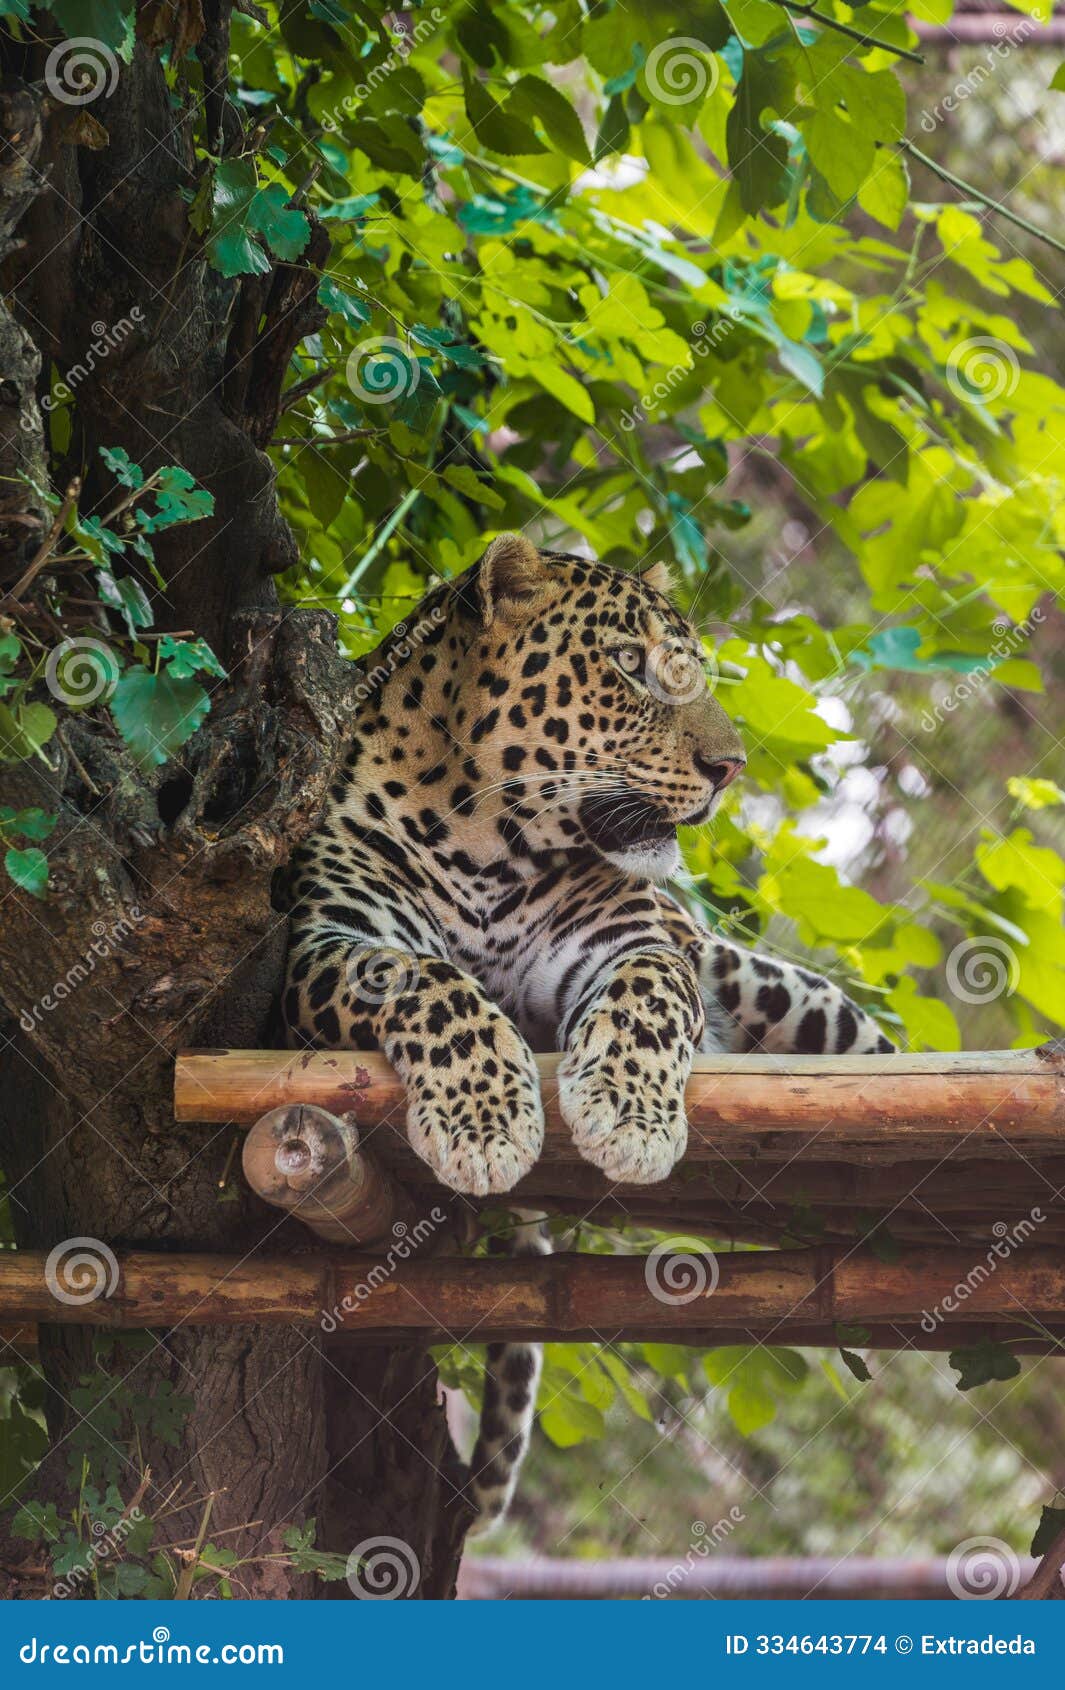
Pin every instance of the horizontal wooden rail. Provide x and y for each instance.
(564, 1297)
(949, 1147)
(875, 1109)
(689, 1576)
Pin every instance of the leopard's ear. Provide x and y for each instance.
(659, 578)
(509, 578)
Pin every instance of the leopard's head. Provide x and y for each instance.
(583, 693)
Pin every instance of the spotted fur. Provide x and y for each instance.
(485, 883)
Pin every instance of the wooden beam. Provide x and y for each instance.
(871, 1110)
(404, 1295)
(302, 1159)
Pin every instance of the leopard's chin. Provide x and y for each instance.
(657, 859)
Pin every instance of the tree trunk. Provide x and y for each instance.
(172, 873)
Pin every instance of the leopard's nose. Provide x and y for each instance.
(719, 771)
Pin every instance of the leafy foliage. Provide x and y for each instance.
(155, 703)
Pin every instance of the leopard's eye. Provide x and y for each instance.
(628, 658)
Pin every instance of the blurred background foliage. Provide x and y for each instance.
(698, 283)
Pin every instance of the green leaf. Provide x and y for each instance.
(533, 98)
(1057, 83)
(28, 869)
(757, 157)
(350, 306)
(285, 229)
(178, 498)
(671, 1360)
(240, 209)
(569, 1420)
(107, 21)
(118, 462)
(24, 730)
(857, 1365)
(983, 1361)
(613, 133)
(567, 390)
(188, 657)
(1034, 794)
(156, 714)
(128, 597)
(32, 823)
(37, 1522)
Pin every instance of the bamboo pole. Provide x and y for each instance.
(563, 1297)
(864, 1110)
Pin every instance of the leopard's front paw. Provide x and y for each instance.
(479, 1123)
(625, 1112)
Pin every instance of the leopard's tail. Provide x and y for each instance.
(512, 1375)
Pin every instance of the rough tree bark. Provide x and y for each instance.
(185, 859)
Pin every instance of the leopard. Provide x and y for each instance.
(489, 879)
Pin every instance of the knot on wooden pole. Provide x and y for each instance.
(304, 1160)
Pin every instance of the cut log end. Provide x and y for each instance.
(308, 1162)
